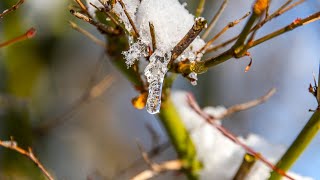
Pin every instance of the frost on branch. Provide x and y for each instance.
(220, 156)
(171, 23)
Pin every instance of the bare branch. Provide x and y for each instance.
(12, 8)
(129, 18)
(101, 27)
(227, 27)
(29, 154)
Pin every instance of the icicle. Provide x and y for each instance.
(155, 72)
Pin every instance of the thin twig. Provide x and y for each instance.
(83, 7)
(211, 120)
(290, 27)
(248, 105)
(156, 150)
(277, 13)
(129, 18)
(27, 35)
(12, 8)
(101, 27)
(91, 93)
(156, 169)
(214, 20)
(227, 27)
(153, 36)
(29, 154)
(88, 34)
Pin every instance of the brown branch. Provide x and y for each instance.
(248, 105)
(27, 35)
(12, 8)
(153, 36)
(83, 7)
(211, 120)
(29, 154)
(227, 27)
(101, 27)
(284, 8)
(199, 24)
(129, 18)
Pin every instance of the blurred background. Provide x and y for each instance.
(43, 80)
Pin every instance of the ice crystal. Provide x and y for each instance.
(136, 51)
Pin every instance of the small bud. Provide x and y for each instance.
(140, 101)
(31, 33)
(260, 6)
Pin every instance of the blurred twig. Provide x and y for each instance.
(100, 26)
(156, 150)
(27, 35)
(29, 154)
(11, 9)
(212, 120)
(92, 93)
(156, 169)
(248, 105)
(200, 8)
(88, 34)
(214, 20)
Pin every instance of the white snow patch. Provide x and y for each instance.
(221, 156)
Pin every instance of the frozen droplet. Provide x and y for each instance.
(193, 78)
